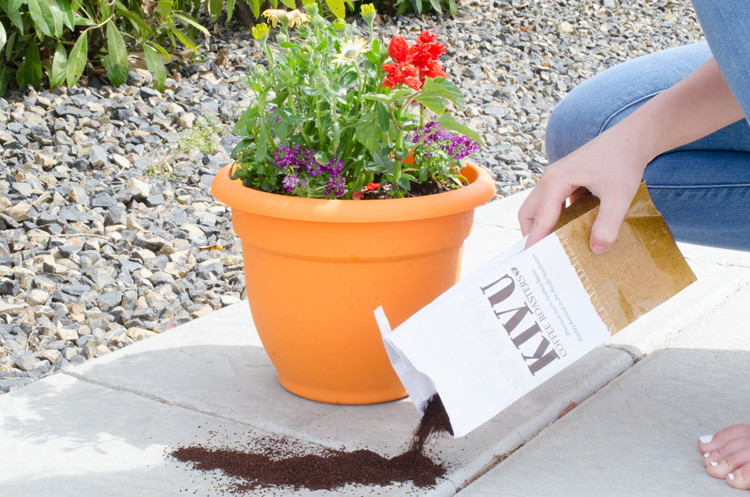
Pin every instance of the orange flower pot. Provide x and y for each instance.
(317, 269)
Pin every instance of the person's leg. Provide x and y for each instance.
(726, 24)
(701, 189)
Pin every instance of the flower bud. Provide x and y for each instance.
(339, 24)
(368, 12)
(260, 32)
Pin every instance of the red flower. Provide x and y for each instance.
(426, 37)
(412, 64)
(432, 70)
(372, 186)
(401, 73)
(398, 49)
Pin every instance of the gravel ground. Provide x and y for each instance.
(108, 231)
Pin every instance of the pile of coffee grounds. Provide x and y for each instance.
(281, 462)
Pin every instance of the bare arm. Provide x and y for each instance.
(611, 165)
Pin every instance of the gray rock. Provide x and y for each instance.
(109, 300)
(26, 362)
(98, 156)
(104, 200)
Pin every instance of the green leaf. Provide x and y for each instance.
(116, 49)
(116, 61)
(404, 183)
(292, 4)
(230, 9)
(388, 98)
(256, 8)
(418, 4)
(192, 23)
(246, 122)
(135, 20)
(443, 88)
(382, 161)
(41, 15)
(3, 36)
(435, 103)
(9, 46)
(84, 21)
(436, 5)
(436, 91)
(262, 148)
(57, 18)
(447, 122)
(117, 74)
(14, 4)
(215, 7)
(162, 51)
(452, 7)
(155, 64)
(164, 8)
(5, 74)
(77, 59)
(68, 17)
(368, 132)
(13, 9)
(184, 39)
(59, 62)
(337, 7)
(384, 118)
(30, 70)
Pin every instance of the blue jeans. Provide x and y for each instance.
(703, 188)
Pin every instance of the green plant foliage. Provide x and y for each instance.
(55, 40)
(400, 7)
(333, 115)
(336, 7)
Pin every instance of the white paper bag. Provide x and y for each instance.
(498, 334)
(527, 314)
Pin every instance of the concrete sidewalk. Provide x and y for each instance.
(103, 428)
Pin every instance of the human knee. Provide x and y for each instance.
(572, 124)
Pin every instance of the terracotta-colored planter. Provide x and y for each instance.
(316, 269)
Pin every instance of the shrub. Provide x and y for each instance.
(57, 39)
(399, 7)
(336, 7)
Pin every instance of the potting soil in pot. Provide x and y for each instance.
(281, 462)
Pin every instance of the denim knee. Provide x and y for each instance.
(571, 125)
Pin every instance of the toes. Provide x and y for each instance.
(735, 460)
(740, 478)
(708, 443)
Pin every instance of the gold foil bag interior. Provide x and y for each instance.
(640, 271)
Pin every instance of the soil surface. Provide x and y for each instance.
(280, 462)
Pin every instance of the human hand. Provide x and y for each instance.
(610, 166)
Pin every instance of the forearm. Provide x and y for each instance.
(693, 108)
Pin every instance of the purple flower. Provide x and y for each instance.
(334, 167)
(291, 182)
(296, 157)
(335, 185)
(456, 146)
(300, 166)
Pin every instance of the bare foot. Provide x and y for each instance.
(726, 455)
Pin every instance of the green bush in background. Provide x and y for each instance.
(399, 7)
(58, 38)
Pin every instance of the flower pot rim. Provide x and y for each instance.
(234, 194)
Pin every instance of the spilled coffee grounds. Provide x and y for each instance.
(279, 464)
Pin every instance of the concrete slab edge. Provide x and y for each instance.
(575, 384)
